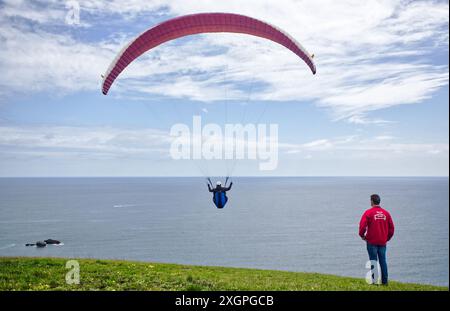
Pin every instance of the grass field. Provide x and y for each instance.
(49, 274)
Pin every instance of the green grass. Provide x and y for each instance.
(49, 274)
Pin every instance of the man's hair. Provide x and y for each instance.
(375, 198)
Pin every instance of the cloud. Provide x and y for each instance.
(370, 54)
(39, 61)
(50, 12)
(381, 147)
(60, 141)
(93, 146)
(384, 137)
(361, 119)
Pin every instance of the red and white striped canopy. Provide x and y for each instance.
(196, 24)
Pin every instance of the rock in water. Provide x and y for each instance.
(41, 244)
(51, 241)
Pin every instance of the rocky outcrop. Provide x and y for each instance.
(44, 243)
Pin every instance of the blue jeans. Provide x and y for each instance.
(378, 253)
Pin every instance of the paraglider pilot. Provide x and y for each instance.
(219, 193)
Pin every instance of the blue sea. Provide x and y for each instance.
(295, 224)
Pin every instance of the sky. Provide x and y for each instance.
(378, 105)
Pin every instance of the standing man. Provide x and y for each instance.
(377, 228)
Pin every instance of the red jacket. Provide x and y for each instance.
(376, 225)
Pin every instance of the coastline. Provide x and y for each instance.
(48, 274)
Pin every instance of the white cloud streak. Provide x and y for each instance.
(119, 142)
(382, 147)
(92, 142)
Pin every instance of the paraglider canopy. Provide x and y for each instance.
(196, 24)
